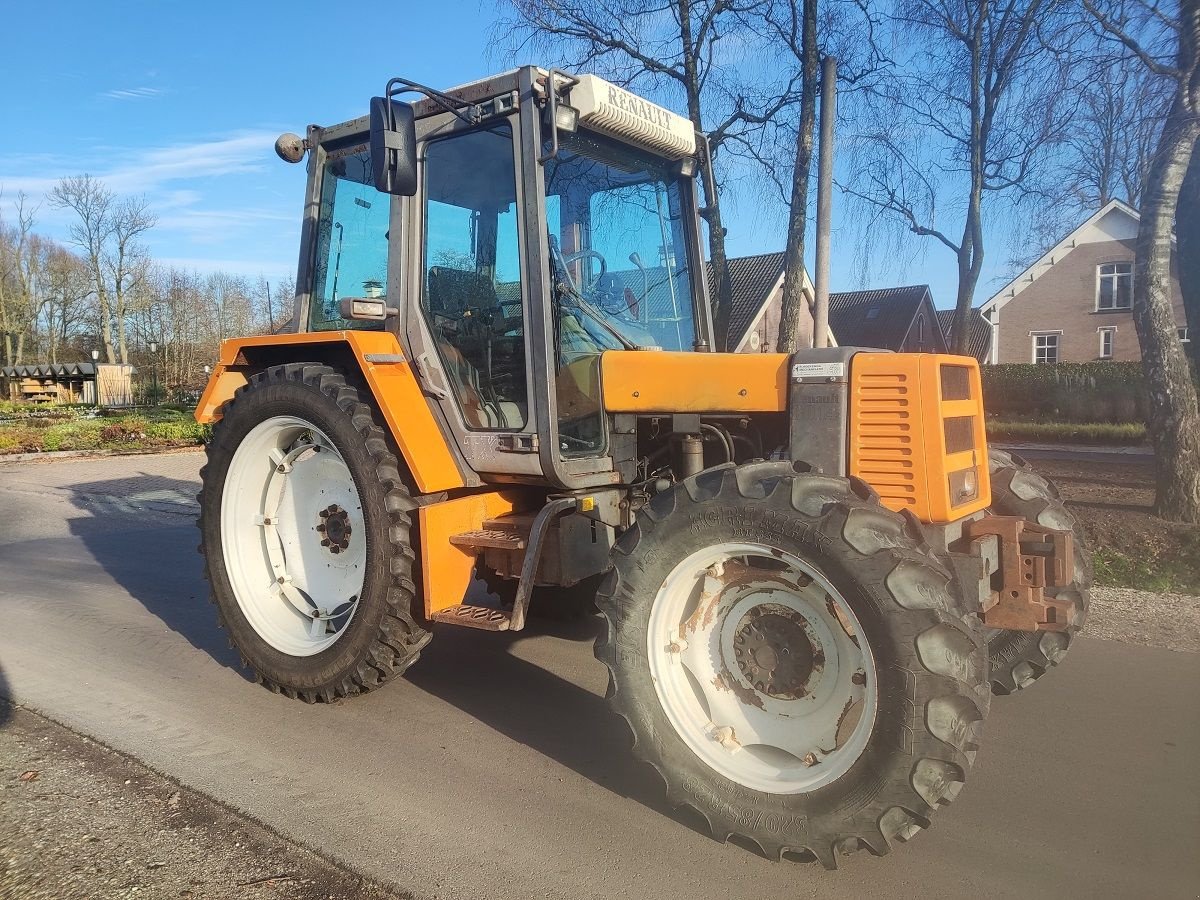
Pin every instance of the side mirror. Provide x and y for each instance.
(393, 146)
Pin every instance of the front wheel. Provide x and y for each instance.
(792, 661)
(305, 528)
(1019, 658)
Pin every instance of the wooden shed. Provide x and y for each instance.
(95, 383)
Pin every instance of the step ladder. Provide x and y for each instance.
(523, 531)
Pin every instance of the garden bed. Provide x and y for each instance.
(25, 428)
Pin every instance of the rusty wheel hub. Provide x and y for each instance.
(774, 653)
(334, 528)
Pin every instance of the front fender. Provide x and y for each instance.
(383, 367)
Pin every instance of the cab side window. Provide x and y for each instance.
(352, 241)
(471, 290)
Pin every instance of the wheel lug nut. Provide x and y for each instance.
(810, 759)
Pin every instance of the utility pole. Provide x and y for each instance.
(825, 200)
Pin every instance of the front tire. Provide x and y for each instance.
(1019, 658)
(791, 660)
(305, 525)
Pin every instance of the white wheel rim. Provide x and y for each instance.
(762, 668)
(293, 535)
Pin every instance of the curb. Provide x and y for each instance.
(1108, 449)
(53, 455)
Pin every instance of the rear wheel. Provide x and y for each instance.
(792, 662)
(305, 529)
(1019, 658)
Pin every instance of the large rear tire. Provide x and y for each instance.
(1019, 658)
(305, 524)
(790, 658)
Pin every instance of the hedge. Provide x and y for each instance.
(1067, 392)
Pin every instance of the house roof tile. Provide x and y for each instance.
(876, 318)
(979, 341)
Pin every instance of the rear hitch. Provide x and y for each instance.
(1032, 558)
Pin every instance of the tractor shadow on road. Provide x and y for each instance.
(5, 699)
(148, 547)
(530, 705)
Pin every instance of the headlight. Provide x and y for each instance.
(964, 486)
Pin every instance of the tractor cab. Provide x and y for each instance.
(508, 233)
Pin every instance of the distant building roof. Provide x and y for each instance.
(979, 341)
(753, 279)
(877, 318)
(51, 370)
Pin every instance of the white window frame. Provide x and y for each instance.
(1033, 346)
(1101, 275)
(1109, 332)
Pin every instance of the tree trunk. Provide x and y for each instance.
(1174, 421)
(794, 304)
(970, 249)
(723, 302)
(1187, 231)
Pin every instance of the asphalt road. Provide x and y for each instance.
(494, 769)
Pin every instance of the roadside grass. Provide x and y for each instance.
(1125, 433)
(52, 428)
(1176, 572)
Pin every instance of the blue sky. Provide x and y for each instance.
(183, 101)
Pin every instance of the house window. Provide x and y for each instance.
(1045, 348)
(1116, 286)
(1183, 335)
(1106, 342)
(873, 312)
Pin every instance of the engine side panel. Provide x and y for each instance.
(685, 382)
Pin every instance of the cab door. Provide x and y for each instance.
(467, 321)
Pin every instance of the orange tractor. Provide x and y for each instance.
(497, 395)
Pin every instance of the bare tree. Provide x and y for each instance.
(799, 33)
(1170, 48)
(66, 285)
(667, 48)
(1187, 229)
(125, 260)
(974, 104)
(18, 276)
(92, 204)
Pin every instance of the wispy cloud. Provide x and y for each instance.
(147, 170)
(137, 93)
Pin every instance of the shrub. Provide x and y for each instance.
(1066, 432)
(1067, 392)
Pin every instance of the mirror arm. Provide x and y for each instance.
(397, 86)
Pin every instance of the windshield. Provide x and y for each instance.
(618, 248)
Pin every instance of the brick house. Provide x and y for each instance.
(1073, 304)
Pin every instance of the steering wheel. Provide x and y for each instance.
(583, 254)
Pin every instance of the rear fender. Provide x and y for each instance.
(383, 367)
